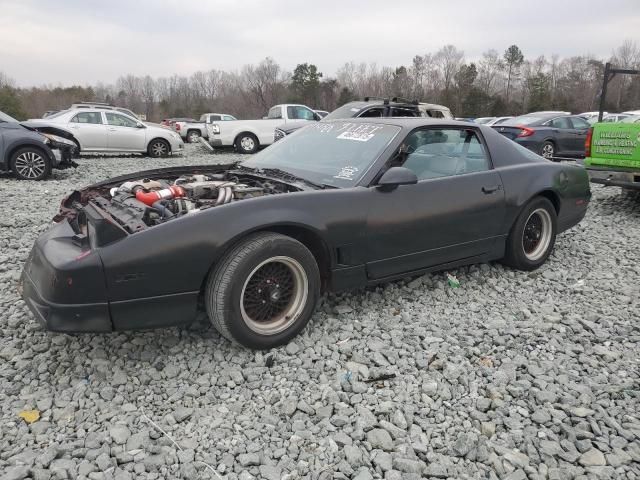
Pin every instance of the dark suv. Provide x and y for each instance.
(31, 152)
(373, 107)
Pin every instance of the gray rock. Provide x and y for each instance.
(119, 434)
(379, 438)
(591, 458)
(353, 455)
(16, 473)
(249, 459)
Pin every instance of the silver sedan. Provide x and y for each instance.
(96, 130)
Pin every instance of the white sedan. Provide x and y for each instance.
(97, 130)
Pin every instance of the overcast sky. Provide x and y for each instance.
(86, 41)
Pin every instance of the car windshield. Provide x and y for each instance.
(349, 110)
(631, 119)
(335, 154)
(4, 118)
(57, 114)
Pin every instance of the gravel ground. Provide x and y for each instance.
(511, 376)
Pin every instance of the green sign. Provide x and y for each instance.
(615, 144)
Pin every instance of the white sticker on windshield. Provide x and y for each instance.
(357, 136)
(346, 173)
(355, 109)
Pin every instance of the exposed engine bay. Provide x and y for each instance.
(138, 204)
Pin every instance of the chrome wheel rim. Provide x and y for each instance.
(247, 143)
(193, 137)
(536, 237)
(159, 149)
(274, 295)
(30, 165)
(547, 151)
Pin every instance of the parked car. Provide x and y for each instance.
(339, 205)
(191, 131)
(31, 154)
(48, 113)
(248, 136)
(489, 121)
(632, 112)
(590, 117)
(103, 130)
(551, 135)
(613, 117)
(322, 113)
(372, 107)
(613, 153)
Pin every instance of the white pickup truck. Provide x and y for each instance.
(192, 131)
(247, 136)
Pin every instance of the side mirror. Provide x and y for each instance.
(317, 117)
(140, 125)
(397, 176)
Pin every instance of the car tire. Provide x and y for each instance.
(263, 291)
(30, 163)
(247, 143)
(193, 136)
(532, 236)
(158, 147)
(548, 150)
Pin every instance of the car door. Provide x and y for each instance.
(123, 133)
(579, 134)
(454, 212)
(562, 134)
(90, 130)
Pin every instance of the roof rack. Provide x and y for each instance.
(404, 100)
(384, 100)
(93, 103)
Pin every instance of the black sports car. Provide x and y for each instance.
(335, 206)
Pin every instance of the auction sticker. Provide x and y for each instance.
(347, 173)
(357, 136)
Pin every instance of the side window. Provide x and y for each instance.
(214, 118)
(435, 153)
(560, 122)
(227, 118)
(580, 123)
(120, 120)
(275, 112)
(299, 113)
(435, 114)
(372, 113)
(403, 112)
(88, 117)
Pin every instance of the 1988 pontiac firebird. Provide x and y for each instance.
(335, 206)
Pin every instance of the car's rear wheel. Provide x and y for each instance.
(158, 148)
(263, 291)
(548, 150)
(193, 136)
(247, 143)
(532, 236)
(30, 163)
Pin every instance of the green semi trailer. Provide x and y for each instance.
(613, 153)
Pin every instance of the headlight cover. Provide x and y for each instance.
(51, 139)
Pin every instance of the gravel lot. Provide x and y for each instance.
(510, 376)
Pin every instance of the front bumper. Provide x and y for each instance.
(625, 178)
(215, 142)
(62, 283)
(68, 318)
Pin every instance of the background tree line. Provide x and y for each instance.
(505, 83)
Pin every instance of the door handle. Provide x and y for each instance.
(491, 189)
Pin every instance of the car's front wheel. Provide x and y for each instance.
(30, 163)
(158, 148)
(532, 236)
(263, 291)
